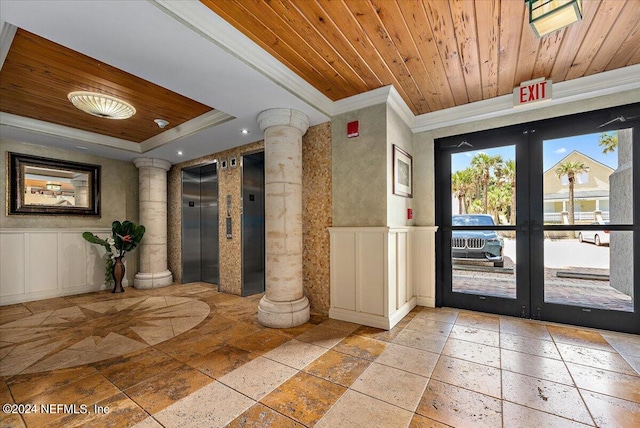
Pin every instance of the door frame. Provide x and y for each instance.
(528, 139)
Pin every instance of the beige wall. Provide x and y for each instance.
(316, 194)
(359, 168)
(118, 191)
(400, 134)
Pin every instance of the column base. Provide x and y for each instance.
(283, 314)
(145, 281)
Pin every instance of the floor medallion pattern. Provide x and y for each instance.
(94, 331)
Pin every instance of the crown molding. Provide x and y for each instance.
(203, 21)
(605, 83)
(7, 33)
(207, 120)
(47, 128)
(386, 94)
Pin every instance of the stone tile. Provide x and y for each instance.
(25, 387)
(429, 326)
(421, 340)
(260, 415)
(595, 358)
(408, 359)
(391, 385)
(131, 369)
(634, 362)
(148, 423)
(474, 334)
(474, 352)
(347, 327)
(322, 336)
(605, 382)
(526, 328)
(296, 354)
(260, 342)
(541, 348)
(579, 337)
(465, 374)
(610, 411)
(627, 345)
(478, 320)
(358, 410)
(419, 421)
(88, 390)
(550, 397)
(215, 405)
(158, 392)
(517, 416)
(122, 412)
(48, 304)
(379, 334)
(445, 315)
(304, 398)
(337, 367)
(534, 366)
(459, 407)
(258, 377)
(222, 361)
(361, 347)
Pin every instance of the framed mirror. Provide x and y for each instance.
(45, 186)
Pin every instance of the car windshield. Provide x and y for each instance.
(472, 220)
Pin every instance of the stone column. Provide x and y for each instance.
(81, 190)
(284, 304)
(153, 216)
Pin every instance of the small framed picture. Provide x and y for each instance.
(223, 164)
(402, 173)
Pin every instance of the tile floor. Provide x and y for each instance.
(190, 356)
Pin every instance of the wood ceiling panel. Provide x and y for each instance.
(38, 74)
(436, 53)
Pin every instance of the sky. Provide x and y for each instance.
(553, 151)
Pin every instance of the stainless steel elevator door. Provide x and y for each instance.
(253, 256)
(200, 251)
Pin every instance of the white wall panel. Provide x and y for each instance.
(12, 265)
(44, 263)
(371, 273)
(343, 270)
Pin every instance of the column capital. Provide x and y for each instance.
(283, 117)
(152, 162)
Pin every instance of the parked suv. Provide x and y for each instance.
(477, 245)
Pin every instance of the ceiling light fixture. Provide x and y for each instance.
(101, 105)
(547, 16)
(161, 123)
(245, 131)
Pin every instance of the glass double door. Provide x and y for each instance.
(539, 220)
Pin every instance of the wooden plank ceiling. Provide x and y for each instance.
(436, 53)
(38, 74)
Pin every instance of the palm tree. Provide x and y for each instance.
(461, 184)
(484, 165)
(509, 175)
(571, 169)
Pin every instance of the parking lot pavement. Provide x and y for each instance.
(568, 256)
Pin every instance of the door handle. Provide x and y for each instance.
(524, 227)
(535, 226)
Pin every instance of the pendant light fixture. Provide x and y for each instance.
(547, 16)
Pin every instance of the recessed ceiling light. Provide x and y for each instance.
(245, 131)
(101, 105)
(180, 153)
(81, 148)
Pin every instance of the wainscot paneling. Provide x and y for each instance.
(378, 274)
(39, 264)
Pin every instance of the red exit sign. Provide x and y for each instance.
(532, 91)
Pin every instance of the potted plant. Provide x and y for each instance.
(124, 237)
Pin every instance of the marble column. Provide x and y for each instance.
(153, 216)
(284, 303)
